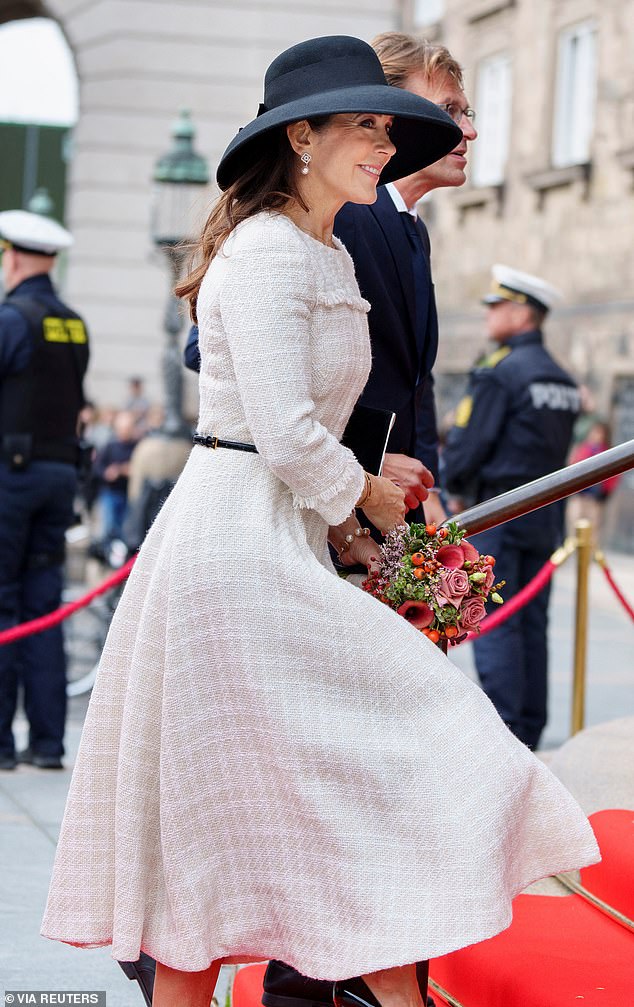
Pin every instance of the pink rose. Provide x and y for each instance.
(417, 612)
(451, 556)
(469, 551)
(471, 614)
(454, 584)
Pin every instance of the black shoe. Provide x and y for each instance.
(30, 758)
(422, 976)
(356, 993)
(8, 762)
(143, 971)
(353, 993)
(285, 987)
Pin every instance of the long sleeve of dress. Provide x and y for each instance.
(266, 301)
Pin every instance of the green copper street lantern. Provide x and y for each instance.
(178, 214)
(41, 202)
(179, 178)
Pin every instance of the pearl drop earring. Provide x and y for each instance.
(306, 158)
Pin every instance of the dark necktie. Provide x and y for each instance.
(420, 270)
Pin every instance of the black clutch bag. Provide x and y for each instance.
(367, 434)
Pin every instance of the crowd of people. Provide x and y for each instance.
(109, 480)
(274, 766)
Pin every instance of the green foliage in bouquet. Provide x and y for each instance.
(436, 579)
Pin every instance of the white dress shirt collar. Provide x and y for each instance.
(399, 202)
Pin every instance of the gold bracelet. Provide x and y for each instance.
(350, 537)
(367, 491)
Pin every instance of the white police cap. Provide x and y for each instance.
(521, 288)
(30, 232)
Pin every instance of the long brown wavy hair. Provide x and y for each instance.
(269, 182)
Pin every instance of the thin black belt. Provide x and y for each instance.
(208, 441)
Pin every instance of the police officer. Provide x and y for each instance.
(43, 359)
(515, 425)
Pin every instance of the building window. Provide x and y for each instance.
(575, 94)
(428, 12)
(493, 106)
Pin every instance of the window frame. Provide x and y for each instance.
(575, 93)
(494, 120)
(423, 20)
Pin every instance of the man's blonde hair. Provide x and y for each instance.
(402, 55)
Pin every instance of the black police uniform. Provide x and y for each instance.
(514, 426)
(43, 359)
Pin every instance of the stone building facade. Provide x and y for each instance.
(550, 191)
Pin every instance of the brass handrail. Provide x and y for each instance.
(547, 490)
(578, 889)
(583, 529)
(447, 997)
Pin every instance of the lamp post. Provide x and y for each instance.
(41, 203)
(179, 177)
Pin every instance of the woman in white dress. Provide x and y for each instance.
(274, 764)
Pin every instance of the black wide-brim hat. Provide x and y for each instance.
(333, 74)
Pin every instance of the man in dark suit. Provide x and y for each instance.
(390, 248)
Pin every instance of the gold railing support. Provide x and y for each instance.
(583, 531)
(447, 997)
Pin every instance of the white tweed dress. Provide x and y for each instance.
(274, 764)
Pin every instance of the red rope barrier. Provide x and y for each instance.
(522, 598)
(53, 618)
(610, 579)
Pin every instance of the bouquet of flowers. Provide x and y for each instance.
(436, 579)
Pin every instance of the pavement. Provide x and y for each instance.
(596, 765)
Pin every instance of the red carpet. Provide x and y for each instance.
(613, 879)
(558, 952)
(247, 986)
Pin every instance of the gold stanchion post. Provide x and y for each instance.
(583, 531)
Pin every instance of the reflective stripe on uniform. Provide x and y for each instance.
(64, 330)
(463, 411)
(494, 358)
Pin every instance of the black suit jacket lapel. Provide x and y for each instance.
(430, 337)
(396, 237)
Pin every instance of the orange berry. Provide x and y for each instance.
(489, 560)
(433, 635)
(442, 533)
(417, 559)
(419, 572)
(451, 631)
(430, 529)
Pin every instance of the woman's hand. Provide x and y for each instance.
(364, 551)
(411, 475)
(354, 545)
(385, 506)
